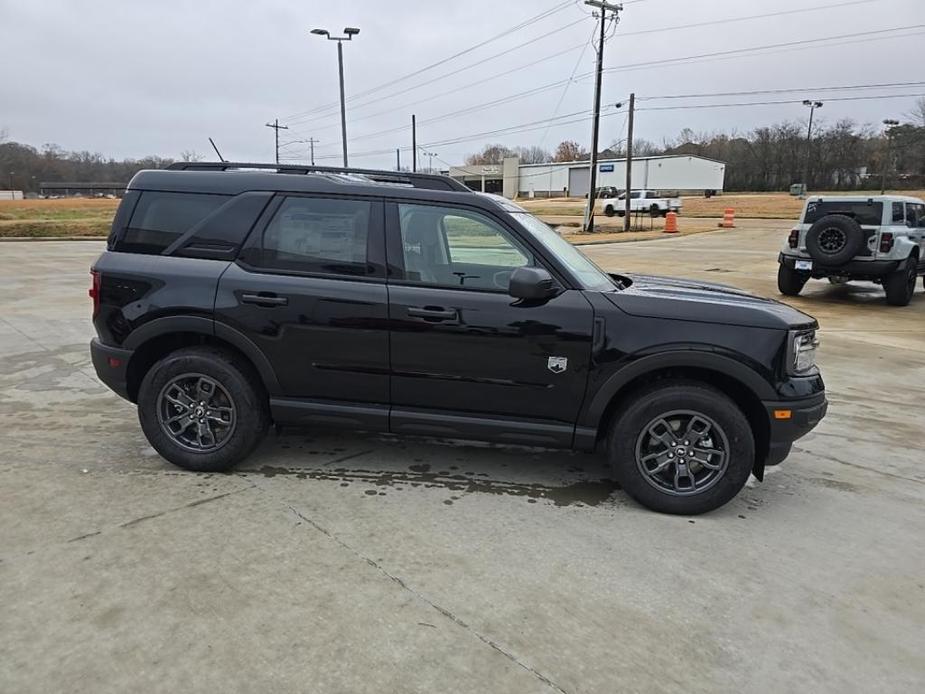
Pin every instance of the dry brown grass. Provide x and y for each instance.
(746, 205)
(77, 217)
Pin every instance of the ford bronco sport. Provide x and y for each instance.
(233, 296)
(842, 238)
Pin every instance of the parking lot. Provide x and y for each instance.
(351, 563)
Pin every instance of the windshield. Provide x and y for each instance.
(589, 274)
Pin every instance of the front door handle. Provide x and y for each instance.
(266, 299)
(432, 312)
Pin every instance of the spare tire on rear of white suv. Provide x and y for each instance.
(834, 239)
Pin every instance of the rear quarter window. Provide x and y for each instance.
(869, 213)
(160, 218)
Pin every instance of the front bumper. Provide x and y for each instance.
(790, 420)
(862, 269)
(111, 364)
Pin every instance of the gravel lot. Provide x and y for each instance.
(354, 563)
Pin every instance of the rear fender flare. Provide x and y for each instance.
(210, 328)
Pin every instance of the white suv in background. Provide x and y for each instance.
(877, 238)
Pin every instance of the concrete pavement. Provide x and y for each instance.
(337, 562)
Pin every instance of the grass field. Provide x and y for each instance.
(75, 217)
(79, 217)
(746, 205)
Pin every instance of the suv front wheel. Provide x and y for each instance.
(682, 447)
(202, 409)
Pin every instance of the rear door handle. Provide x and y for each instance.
(264, 299)
(433, 312)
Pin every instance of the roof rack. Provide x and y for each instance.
(417, 180)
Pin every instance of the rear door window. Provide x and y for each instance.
(867, 213)
(316, 236)
(898, 217)
(160, 219)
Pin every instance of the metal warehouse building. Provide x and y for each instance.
(683, 173)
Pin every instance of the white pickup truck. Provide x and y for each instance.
(642, 200)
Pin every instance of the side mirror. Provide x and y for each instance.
(532, 283)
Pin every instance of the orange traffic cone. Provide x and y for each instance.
(671, 223)
(729, 217)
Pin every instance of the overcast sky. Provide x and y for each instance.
(129, 78)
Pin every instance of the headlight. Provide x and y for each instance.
(801, 353)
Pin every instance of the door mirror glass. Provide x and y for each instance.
(532, 283)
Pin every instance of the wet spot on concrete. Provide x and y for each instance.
(838, 485)
(587, 492)
(448, 502)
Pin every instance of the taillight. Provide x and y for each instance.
(794, 238)
(95, 291)
(886, 242)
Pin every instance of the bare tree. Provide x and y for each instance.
(190, 155)
(916, 114)
(490, 154)
(569, 150)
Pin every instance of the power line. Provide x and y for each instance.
(517, 27)
(775, 103)
(571, 118)
(300, 117)
(756, 92)
(860, 36)
(730, 20)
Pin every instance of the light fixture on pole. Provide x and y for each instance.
(890, 124)
(812, 105)
(349, 33)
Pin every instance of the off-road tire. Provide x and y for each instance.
(790, 282)
(658, 400)
(834, 239)
(900, 285)
(240, 383)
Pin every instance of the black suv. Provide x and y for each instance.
(233, 296)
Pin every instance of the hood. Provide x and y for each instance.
(705, 302)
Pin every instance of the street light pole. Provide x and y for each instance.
(890, 124)
(813, 105)
(349, 33)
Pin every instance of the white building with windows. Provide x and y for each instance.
(682, 173)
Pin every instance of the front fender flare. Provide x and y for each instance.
(597, 405)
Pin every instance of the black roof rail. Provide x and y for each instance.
(417, 180)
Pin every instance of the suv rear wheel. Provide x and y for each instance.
(789, 281)
(202, 409)
(900, 286)
(681, 447)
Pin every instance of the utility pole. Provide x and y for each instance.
(414, 144)
(887, 161)
(595, 125)
(629, 163)
(276, 128)
(311, 146)
(398, 159)
(813, 105)
(430, 160)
